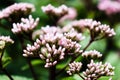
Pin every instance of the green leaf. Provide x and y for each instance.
(114, 59)
(117, 36)
(4, 77)
(34, 63)
(104, 78)
(76, 77)
(6, 61)
(63, 63)
(99, 45)
(68, 78)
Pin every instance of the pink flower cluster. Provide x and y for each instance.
(109, 6)
(53, 44)
(26, 25)
(6, 39)
(92, 54)
(62, 12)
(96, 70)
(74, 67)
(51, 10)
(95, 26)
(16, 8)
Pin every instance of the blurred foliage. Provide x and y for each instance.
(16, 64)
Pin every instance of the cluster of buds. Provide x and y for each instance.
(52, 54)
(57, 12)
(74, 35)
(109, 6)
(105, 29)
(50, 34)
(74, 67)
(97, 29)
(26, 25)
(72, 47)
(5, 40)
(96, 70)
(52, 46)
(92, 54)
(32, 50)
(18, 8)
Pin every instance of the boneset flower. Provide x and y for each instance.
(26, 25)
(74, 35)
(17, 8)
(109, 6)
(52, 46)
(92, 54)
(83, 23)
(6, 39)
(31, 50)
(74, 67)
(105, 29)
(57, 12)
(97, 29)
(71, 46)
(96, 70)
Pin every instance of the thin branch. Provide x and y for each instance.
(2, 52)
(28, 60)
(1, 66)
(52, 73)
(90, 42)
(80, 76)
(5, 71)
(32, 70)
(61, 70)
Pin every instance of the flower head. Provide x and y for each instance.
(109, 6)
(92, 54)
(52, 46)
(96, 29)
(17, 8)
(96, 70)
(55, 11)
(26, 25)
(5, 40)
(74, 68)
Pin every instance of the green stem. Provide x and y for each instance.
(1, 66)
(90, 42)
(31, 69)
(5, 71)
(80, 76)
(28, 60)
(52, 73)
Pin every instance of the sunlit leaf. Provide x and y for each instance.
(68, 78)
(33, 62)
(6, 61)
(4, 77)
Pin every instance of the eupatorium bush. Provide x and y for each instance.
(57, 42)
